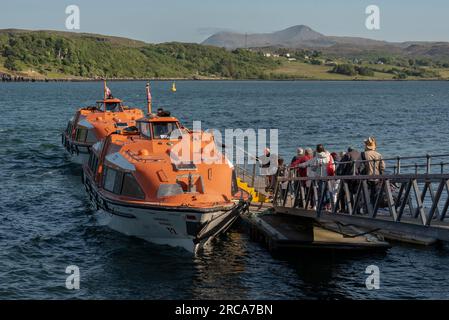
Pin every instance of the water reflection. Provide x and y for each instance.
(220, 268)
(327, 274)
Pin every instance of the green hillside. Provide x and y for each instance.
(67, 55)
(53, 54)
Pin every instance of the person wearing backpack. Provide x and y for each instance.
(346, 168)
(321, 164)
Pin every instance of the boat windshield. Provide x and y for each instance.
(113, 106)
(162, 130)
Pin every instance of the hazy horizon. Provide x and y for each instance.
(194, 21)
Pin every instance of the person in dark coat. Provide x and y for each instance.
(346, 168)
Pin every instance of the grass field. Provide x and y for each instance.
(301, 70)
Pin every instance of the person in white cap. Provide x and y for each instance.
(268, 167)
(299, 154)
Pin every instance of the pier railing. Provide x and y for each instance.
(428, 163)
(365, 195)
(407, 193)
(439, 163)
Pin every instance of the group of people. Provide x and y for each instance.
(321, 163)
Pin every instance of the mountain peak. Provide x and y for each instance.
(299, 28)
(299, 35)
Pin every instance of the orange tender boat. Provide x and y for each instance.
(139, 188)
(93, 123)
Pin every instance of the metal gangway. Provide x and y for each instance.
(411, 198)
(250, 181)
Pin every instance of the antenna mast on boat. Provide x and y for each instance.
(148, 98)
(104, 89)
(104, 95)
(107, 93)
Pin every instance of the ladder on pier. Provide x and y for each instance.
(252, 184)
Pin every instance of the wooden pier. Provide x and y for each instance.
(279, 232)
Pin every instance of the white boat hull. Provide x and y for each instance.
(79, 154)
(149, 227)
(177, 228)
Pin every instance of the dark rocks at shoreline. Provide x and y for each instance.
(4, 77)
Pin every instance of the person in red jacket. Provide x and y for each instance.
(302, 172)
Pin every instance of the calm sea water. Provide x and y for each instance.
(46, 224)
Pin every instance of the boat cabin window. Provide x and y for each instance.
(91, 137)
(169, 190)
(111, 179)
(157, 130)
(113, 106)
(131, 188)
(122, 183)
(144, 129)
(81, 134)
(162, 130)
(188, 166)
(93, 163)
(109, 106)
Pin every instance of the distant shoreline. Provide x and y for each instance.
(25, 79)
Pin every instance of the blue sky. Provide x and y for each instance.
(195, 20)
